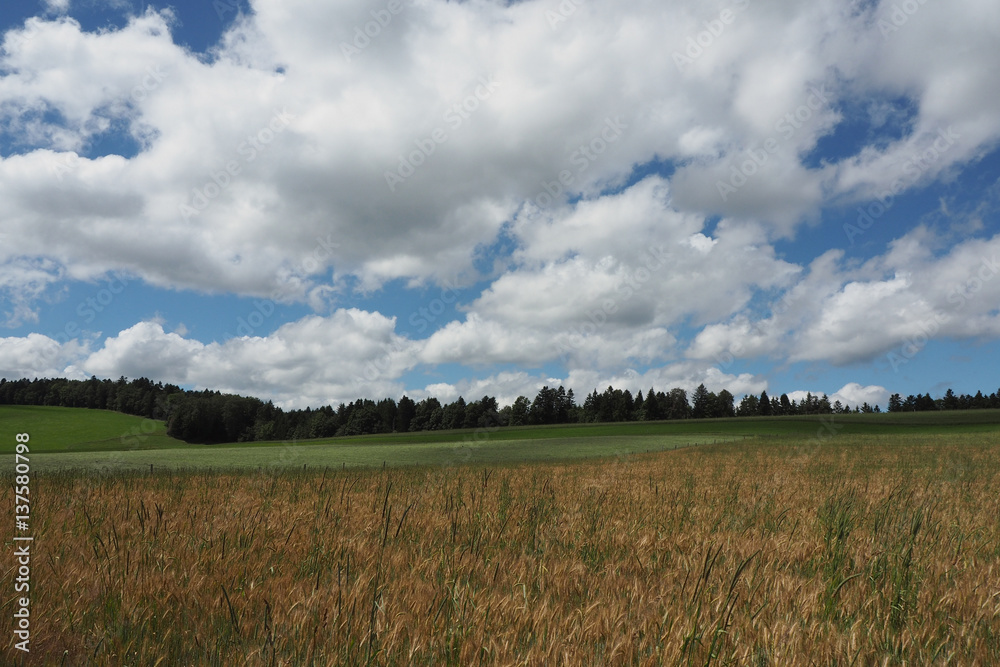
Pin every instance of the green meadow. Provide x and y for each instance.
(79, 430)
(68, 438)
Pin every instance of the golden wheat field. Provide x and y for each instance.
(869, 551)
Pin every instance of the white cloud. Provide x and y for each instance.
(39, 356)
(22, 283)
(686, 375)
(314, 361)
(590, 292)
(854, 395)
(354, 119)
(279, 144)
(318, 361)
(843, 314)
(145, 350)
(57, 6)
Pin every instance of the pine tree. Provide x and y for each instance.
(702, 401)
(765, 404)
(749, 406)
(651, 406)
(724, 404)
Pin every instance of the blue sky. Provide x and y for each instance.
(315, 203)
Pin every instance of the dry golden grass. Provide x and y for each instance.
(872, 551)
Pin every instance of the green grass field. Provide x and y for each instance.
(78, 430)
(66, 438)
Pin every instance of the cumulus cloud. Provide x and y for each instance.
(36, 355)
(317, 361)
(208, 137)
(847, 314)
(314, 361)
(587, 291)
(57, 6)
(22, 283)
(854, 395)
(296, 160)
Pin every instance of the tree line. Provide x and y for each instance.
(213, 417)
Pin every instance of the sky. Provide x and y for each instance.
(315, 202)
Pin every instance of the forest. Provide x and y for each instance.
(214, 417)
